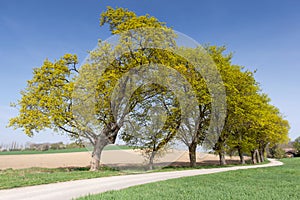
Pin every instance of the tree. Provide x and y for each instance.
(270, 128)
(83, 102)
(193, 131)
(296, 145)
(229, 75)
(54, 98)
(277, 152)
(241, 116)
(251, 122)
(194, 125)
(153, 125)
(204, 107)
(193, 101)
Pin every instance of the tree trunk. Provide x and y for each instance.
(262, 155)
(107, 136)
(151, 160)
(257, 156)
(192, 154)
(100, 143)
(253, 157)
(242, 159)
(222, 158)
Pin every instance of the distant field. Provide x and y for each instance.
(119, 157)
(110, 147)
(274, 183)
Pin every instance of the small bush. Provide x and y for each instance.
(277, 152)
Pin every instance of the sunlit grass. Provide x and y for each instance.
(10, 178)
(272, 183)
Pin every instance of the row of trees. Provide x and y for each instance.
(13, 146)
(252, 123)
(53, 146)
(150, 91)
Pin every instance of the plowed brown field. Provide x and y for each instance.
(111, 158)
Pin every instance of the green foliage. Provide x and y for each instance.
(153, 124)
(296, 145)
(54, 98)
(59, 145)
(251, 121)
(45, 102)
(74, 145)
(277, 152)
(121, 20)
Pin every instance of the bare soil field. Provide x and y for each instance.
(112, 158)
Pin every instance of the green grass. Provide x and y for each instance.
(179, 168)
(24, 152)
(43, 152)
(10, 178)
(282, 182)
(117, 147)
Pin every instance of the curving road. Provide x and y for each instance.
(75, 189)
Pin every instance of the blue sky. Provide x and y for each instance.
(263, 35)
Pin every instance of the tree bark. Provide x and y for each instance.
(100, 143)
(253, 157)
(151, 160)
(222, 158)
(192, 154)
(107, 136)
(262, 155)
(257, 156)
(242, 159)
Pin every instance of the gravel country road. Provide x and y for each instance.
(75, 189)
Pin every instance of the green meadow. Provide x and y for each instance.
(272, 183)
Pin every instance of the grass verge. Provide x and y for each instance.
(25, 152)
(280, 183)
(10, 178)
(179, 168)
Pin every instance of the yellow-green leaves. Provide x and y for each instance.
(121, 20)
(46, 100)
(251, 121)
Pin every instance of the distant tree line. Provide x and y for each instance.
(14, 146)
